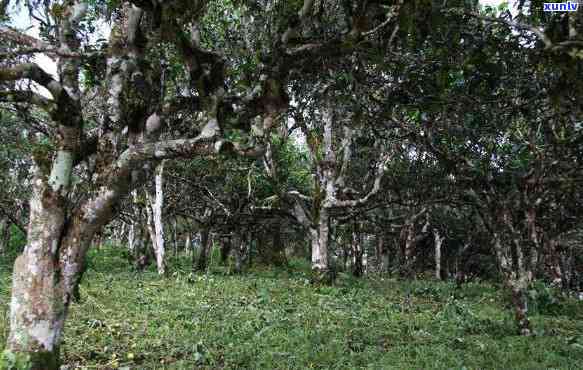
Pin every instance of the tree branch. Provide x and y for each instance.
(32, 72)
(27, 96)
(380, 172)
(521, 26)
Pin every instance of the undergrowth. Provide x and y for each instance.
(275, 319)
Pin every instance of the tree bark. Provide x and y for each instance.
(383, 250)
(566, 268)
(554, 258)
(49, 270)
(175, 236)
(240, 253)
(4, 225)
(517, 278)
(410, 241)
(357, 252)
(38, 307)
(320, 238)
(202, 263)
(141, 252)
(155, 223)
(132, 238)
(226, 247)
(186, 244)
(437, 241)
(278, 249)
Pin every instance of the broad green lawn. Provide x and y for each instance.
(274, 319)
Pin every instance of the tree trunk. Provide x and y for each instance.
(202, 263)
(346, 254)
(408, 234)
(186, 244)
(141, 253)
(39, 306)
(437, 241)
(379, 252)
(357, 252)
(175, 235)
(320, 238)
(51, 266)
(225, 250)
(554, 259)
(240, 253)
(132, 238)
(250, 242)
(566, 269)
(517, 279)
(383, 247)
(271, 253)
(409, 242)
(519, 299)
(155, 224)
(278, 251)
(3, 242)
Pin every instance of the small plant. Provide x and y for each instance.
(543, 299)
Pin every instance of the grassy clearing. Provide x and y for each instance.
(272, 319)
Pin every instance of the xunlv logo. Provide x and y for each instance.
(560, 7)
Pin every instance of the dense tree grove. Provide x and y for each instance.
(408, 138)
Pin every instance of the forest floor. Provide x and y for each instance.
(275, 319)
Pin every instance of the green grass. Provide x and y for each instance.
(274, 319)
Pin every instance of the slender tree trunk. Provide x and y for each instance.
(346, 253)
(226, 247)
(155, 224)
(409, 241)
(240, 253)
(408, 234)
(175, 234)
(379, 252)
(186, 244)
(278, 250)
(141, 252)
(357, 252)
(437, 241)
(250, 252)
(132, 238)
(566, 269)
(554, 259)
(118, 233)
(384, 249)
(3, 227)
(202, 262)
